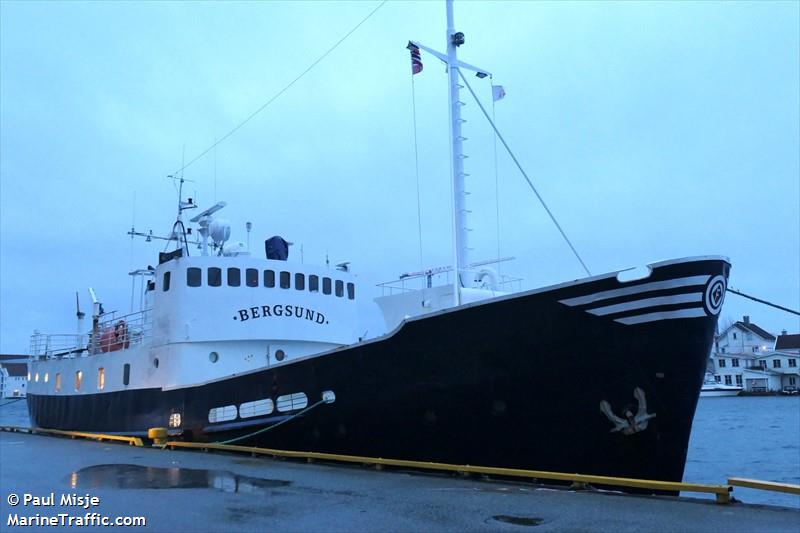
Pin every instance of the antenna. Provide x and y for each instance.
(79, 314)
(248, 226)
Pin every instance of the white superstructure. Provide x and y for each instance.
(203, 318)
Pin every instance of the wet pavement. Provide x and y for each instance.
(199, 491)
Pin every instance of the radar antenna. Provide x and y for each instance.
(219, 233)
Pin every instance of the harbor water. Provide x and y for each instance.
(749, 437)
(754, 437)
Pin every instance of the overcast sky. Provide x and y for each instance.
(654, 130)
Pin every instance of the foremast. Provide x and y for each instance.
(464, 276)
(459, 189)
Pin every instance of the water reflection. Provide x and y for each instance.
(126, 476)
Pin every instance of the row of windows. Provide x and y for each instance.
(252, 278)
(265, 406)
(739, 382)
(101, 378)
(776, 363)
(729, 382)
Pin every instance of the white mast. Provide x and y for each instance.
(461, 245)
(459, 192)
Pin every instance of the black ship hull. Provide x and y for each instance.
(514, 382)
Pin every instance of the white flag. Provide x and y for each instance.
(498, 93)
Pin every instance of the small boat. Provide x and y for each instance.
(711, 388)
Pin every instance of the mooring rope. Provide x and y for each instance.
(12, 401)
(759, 300)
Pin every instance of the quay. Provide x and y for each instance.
(185, 490)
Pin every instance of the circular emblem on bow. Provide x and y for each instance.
(715, 294)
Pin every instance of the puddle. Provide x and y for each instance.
(518, 520)
(123, 476)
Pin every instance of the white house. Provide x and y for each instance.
(744, 337)
(13, 380)
(752, 358)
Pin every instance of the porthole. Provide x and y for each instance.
(46, 377)
(213, 357)
(36, 377)
(280, 355)
(155, 362)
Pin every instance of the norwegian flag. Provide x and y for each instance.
(416, 59)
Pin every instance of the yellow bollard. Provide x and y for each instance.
(158, 436)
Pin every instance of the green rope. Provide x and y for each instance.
(273, 426)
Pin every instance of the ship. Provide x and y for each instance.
(599, 375)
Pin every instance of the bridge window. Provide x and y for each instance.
(234, 277)
(126, 374)
(101, 378)
(300, 281)
(285, 280)
(78, 379)
(326, 285)
(214, 277)
(58, 382)
(251, 277)
(165, 285)
(193, 277)
(313, 283)
(351, 291)
(339, 288)
(269, 278)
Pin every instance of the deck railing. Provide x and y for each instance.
(114, 332)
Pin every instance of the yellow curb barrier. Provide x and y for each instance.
(764, 485)
(722, 492)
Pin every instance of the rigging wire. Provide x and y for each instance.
(496, 181)
(285, 88)
(533, 188)
(759, 300)
(416, 166)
